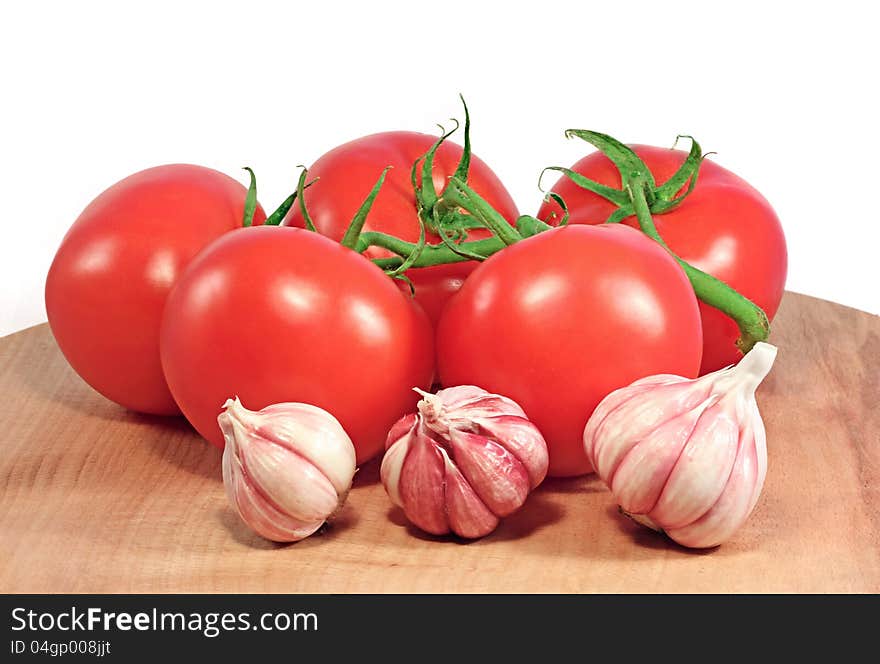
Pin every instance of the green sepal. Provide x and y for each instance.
(277, 217)
(561, 203)
(628, 163)
(250, 200)
(620, 214)
(352, 233)
(300, 188)
(686, 172)
(616, 196)
(405, 279)
(413, 256)
(426, 194)
(461, 171)
(528, 226)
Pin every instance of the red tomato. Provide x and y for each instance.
(559, 320)
(724, 227)
(348, 172)
(107, 285)
(282, 314)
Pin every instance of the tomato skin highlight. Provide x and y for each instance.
(347, 172)
(282, 314)
(559, 320)
(110, 277)
(724, 227)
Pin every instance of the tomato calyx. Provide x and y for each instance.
(426, 194)
(478, 210)
(640, 196)
(662, 198)
(439, 214)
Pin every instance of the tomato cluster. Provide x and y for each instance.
(172, 292)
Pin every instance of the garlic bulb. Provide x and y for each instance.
(466, 459)
(286, 468)
(685, 456)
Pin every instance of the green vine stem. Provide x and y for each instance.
(441, 254)
(430, 254)
(749, 317)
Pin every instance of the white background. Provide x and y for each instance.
(785, 93)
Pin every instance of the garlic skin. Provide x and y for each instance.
(466, 459)
(286, 468)
(687, 457)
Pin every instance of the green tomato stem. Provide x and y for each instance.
(749, 317)
(430, 255)
(441, 254)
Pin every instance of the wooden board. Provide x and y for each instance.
(97, 499)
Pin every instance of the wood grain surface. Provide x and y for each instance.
(97, 499)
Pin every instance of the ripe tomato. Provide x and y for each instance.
(559, 320)
(283, 314)
(345, 176)
(724, 227)
(108, 282)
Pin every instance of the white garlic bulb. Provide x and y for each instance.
(286, 468)
(688, 457)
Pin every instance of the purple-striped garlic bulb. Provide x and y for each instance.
(465, 460)
(685, 456)
(287, 468)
